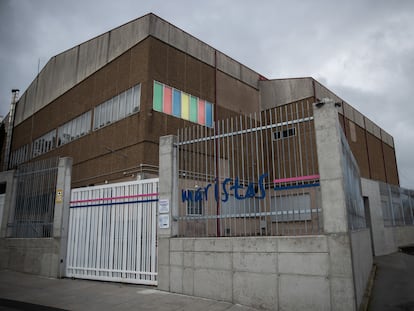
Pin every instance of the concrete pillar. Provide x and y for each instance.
(61, 215)
(7, 213)
(329, 150)
(8, 177)
(335, 222)
(168, 196)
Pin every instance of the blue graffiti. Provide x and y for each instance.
(252, 190)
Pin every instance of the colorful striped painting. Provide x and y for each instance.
(182, 105)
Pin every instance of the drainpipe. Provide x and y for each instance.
(216, 144)
(10, 127)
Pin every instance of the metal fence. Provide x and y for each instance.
(251, 175)
(35, 199)
(352, 186)
(113, 232)
(397, 205)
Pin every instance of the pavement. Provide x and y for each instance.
(19, 291)
(393, 289)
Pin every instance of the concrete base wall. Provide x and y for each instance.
(392, 238)
(34, 256)
(362, 261)
(386, 240)
(403, 235)
(272, 273)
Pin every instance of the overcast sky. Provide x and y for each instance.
(361, 50)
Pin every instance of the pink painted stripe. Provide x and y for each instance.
(299, 178)
(167, 105)
(201, 112)
(117, 198)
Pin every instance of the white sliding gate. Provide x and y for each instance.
(112, 233)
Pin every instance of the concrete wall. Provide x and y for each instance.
(272, 273)
(382, 237)
(35, 256)
(403, 235)
(386, 240)
(362, 261)
(283, 91)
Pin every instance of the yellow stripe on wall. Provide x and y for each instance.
(185, 106)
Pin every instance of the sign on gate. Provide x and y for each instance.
(112, 232)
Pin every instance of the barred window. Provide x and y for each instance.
(19, 156)
(194, 206)
(44, 144)
(284, 133)
(74, 129)
(117, 108)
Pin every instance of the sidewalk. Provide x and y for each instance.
(394, 283)
(393, 290)
(19, 291)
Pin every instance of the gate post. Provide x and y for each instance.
(9, 178)
(168, 196)
(333, 201)
(61, 215)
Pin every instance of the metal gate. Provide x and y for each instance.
(112, 233)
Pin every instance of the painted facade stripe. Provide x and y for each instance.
(117, 198)
(201, 112)
(209, 114)
(299, 178)
(297, 186)
(176, 109)
(193, 109)
(185, 106)
(167, 105)
(157, 98)
(115, 203)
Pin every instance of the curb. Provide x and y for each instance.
(367, 294)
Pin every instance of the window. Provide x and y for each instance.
(117, 108)
(195, 204)
(44, 144)
(20, 155)
(74, 129)
(284, 133)
(291, 207)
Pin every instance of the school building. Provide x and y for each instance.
(145, 155)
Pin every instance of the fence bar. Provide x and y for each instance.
(35, 199)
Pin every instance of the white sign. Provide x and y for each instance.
(164, 221)
(163, 206)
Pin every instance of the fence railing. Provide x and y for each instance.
(397, 205)
(251, 175)
(35, 200)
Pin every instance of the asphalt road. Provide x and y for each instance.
(393, 288)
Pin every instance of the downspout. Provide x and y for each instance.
(383, 158)
(216, 145)
(9, 135)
